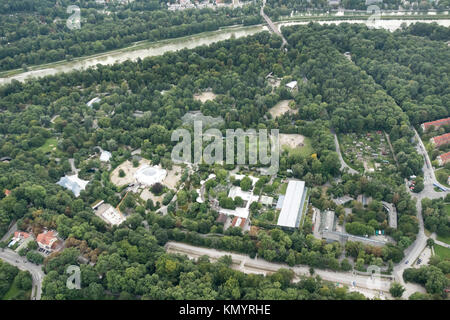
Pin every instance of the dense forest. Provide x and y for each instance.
(14, 284)
(129, 260)
(36, 32)
(436, 217)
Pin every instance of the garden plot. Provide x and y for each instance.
(369, 150)
(281, 108)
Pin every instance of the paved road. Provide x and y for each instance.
(248, 265)
(338, 150)
(413, 252)
(271, 25)
(392, 214)
(443, 244)
(428, 172)
(10, 232)
(37, 274)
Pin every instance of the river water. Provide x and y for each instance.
(390, 25)
(189, 42)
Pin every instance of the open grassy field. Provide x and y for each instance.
(305, 150)
(15, 293)
(442, 252)
(442, 175)
(49, 145)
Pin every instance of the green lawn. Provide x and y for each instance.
(15, 293)
(48, 146)
(442, 252)
(442, 175)
(307, 149)
(443, 239)
(283, 188)
(447, 209)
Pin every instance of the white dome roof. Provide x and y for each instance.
(150, 175)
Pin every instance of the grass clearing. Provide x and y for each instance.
(49, 145)
(447, 209)
(15, 293)
(442, 252)
(305, 150)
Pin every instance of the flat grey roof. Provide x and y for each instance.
(292, 204)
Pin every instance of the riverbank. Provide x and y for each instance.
(145, 48)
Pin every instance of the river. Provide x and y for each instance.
(144, 49)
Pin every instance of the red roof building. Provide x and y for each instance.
(21, 235)
(238, 222)
(436, 124)
(443, 158)
(47, 240)
(441, 140)
(7, 192)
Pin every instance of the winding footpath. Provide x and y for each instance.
(341, 159)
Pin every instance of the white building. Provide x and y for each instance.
(73, 183)
(105, 156)
(292, 85)
(92, 101)
(108, 213)
(150, 175)
(293, 203)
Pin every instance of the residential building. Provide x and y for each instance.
(440, 140)
(47, 240)
(435, 124)
(443, 158)
(21, 235)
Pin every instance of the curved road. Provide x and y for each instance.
(36, 272)
(428, 172)
(272, 26)
(413, 252)
(246, 264)
(338, 150)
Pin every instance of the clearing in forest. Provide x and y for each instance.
(205, 96)
(292, 140)
(129, 170)
(281, 108)
(173, 176)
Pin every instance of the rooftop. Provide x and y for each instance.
(47, 238)
(436, 123)
(291, 84)
(292, 205)
(105, 156)
(73, 183)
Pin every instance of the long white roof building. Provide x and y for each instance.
(292, 204)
